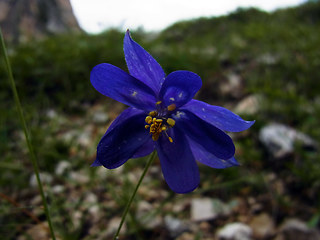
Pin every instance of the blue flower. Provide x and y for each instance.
(162, 115)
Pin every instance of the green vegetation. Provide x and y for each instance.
(275, 55)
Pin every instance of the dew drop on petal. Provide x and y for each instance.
(178, 114)
(134, 93)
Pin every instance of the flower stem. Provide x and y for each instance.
(26, 133)
(150, 160)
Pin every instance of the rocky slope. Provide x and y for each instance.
(29, 19)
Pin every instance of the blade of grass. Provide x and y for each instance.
(26, 133)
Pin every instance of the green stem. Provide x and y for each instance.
(151, 158)
(26, 133)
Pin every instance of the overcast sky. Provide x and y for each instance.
(96, 15)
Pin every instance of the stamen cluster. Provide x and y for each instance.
(158, 125)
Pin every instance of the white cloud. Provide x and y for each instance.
(96, 15)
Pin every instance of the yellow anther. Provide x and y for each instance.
(146, 126)
(153, 113)
(154, 120)
(164, 128)
(171, 122)
(171, 107)
(170, 139)
(159, 102)
(159, 120)
(148, 119)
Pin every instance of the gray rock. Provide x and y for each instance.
(298, 230)
(235, 231)
(69, 136)
(85, 137)
(44, 178)
(81, 137)
(175, 226)
(94, 211)
(203, 209)
(100, 117)
(113, 227)
(90, 202)
(51, 114)
(232, 86)
(76, 217)
(280, 139)
(248, 105)
(79, 177)
(90, 198)
(62, 167)
(268, 59)
(187, 236)
(36, 200)
(58, 189)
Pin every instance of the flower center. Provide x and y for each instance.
(157, 125)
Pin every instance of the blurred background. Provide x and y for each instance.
(260, 59)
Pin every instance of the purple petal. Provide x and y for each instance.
(142, 65)
(145, 149)
(123, 139)
(113, 82)
(125, 115)
(207, 158)
(96, 163)
(178, 165)
(220, 117)
(179, 88)
(208, 136)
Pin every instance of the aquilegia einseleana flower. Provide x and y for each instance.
(163, 116)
